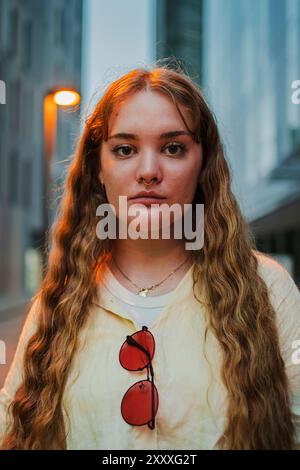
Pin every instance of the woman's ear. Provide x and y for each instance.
(101, 182)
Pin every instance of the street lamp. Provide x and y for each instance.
(64, 97)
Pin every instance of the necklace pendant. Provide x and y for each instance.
(143, 292)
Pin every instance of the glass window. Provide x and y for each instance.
(13, 32)
(27, 45)
(13, 177)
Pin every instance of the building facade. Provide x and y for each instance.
(179, 34)
(40, 48)
(251, 65)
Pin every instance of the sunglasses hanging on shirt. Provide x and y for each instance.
(140, 403)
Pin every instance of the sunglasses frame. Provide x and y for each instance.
(150, 372)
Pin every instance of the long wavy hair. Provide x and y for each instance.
(237, 299)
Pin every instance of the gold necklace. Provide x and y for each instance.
(143, 291)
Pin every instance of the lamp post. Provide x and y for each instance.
(65, 97)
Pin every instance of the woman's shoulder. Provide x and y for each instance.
(285, 299)
(269, 266)
(277, 278)
(33, 312)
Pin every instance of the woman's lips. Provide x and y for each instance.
(147, 201)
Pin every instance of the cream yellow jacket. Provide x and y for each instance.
(192, 398)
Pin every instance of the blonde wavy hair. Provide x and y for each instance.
(238, 305)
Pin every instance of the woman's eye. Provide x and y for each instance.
(173, 148)
(122, 147)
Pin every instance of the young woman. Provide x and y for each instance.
(214, 328)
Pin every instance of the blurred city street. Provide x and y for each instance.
(56, 59)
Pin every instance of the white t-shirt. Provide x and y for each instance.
(143, 310)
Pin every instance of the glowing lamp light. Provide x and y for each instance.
(66, 98)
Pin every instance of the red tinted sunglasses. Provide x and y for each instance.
(140, 403)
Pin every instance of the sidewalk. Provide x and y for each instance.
(10, 329)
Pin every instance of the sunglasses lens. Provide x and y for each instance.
(136, 406)
(133, 358)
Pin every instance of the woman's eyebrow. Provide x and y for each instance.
(125, 135)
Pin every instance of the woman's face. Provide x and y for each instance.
(174, 162)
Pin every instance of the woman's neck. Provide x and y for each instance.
(147, 263)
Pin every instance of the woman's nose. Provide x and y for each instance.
(149, 168)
